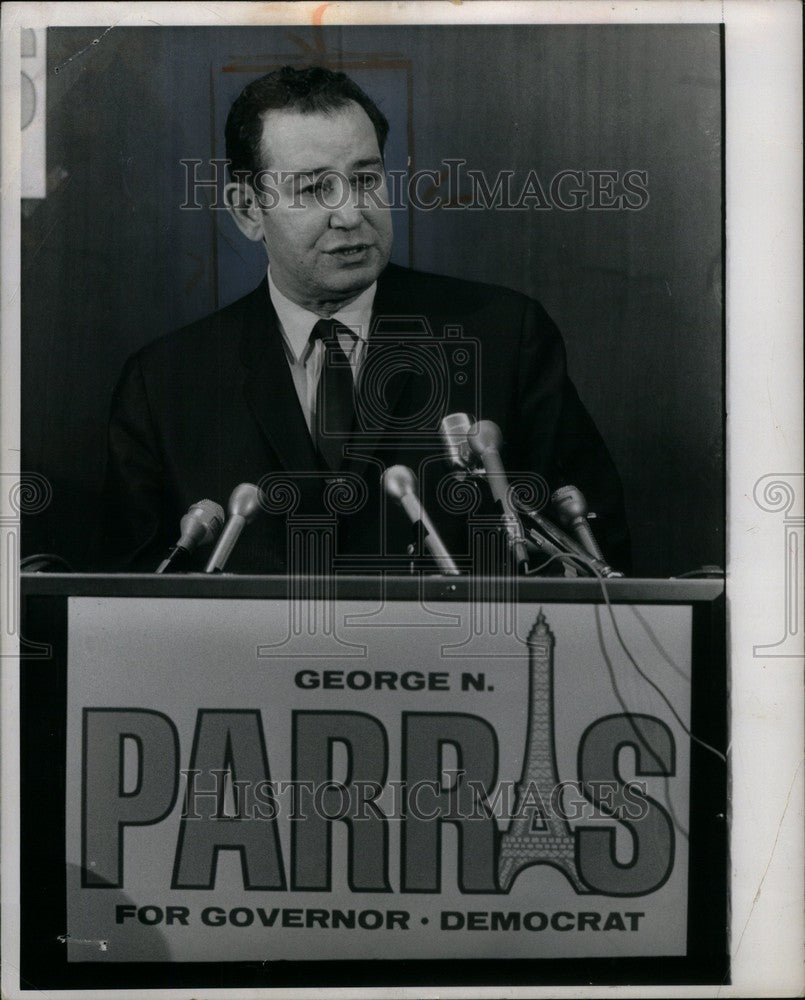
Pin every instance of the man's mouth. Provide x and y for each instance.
(349, 252)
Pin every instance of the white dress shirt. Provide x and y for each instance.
(304, 358)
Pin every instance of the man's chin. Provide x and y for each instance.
(353, 279)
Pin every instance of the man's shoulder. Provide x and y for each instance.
(216, 335)
(483, 310)
(441, 288)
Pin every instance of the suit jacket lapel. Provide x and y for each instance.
(395, 325)
(269, 387)
(396, 330)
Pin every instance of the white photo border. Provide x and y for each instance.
(764, 243)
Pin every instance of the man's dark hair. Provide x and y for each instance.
(310, 90)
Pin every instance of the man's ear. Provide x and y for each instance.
(241, 202)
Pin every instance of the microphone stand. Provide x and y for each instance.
(513, 531)
(551, 551)
(567, 546)
(176, 560)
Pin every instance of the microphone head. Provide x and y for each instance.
(455, 427)
(569, 503)
(201, 524)
(245, 502)
(399, 481)
(484, 436)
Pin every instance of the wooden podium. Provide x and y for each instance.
(255, 781)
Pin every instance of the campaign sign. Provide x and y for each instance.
(249, 782)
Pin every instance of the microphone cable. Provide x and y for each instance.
(604, 591)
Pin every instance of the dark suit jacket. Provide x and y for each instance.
(213, 405)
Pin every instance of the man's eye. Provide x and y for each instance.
(367, 180)
(325, 186)
(309, 187)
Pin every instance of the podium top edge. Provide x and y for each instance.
(433, 588)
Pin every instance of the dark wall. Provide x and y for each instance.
(110, 260)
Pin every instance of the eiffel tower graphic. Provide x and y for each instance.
(535, 835)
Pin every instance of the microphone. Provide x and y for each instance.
(571, 507)
(244, 506)
(401, 485)
(454, 429)
(484, 440)
(200, 526)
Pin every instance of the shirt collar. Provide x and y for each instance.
(296, 323)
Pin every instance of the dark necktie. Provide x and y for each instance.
(335, 404)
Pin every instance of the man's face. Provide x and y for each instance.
(329, 236)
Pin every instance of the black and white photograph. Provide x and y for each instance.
(402, 499)
(539, 247)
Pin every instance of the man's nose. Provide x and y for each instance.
(345, 212)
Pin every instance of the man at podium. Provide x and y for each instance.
(336, 367)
